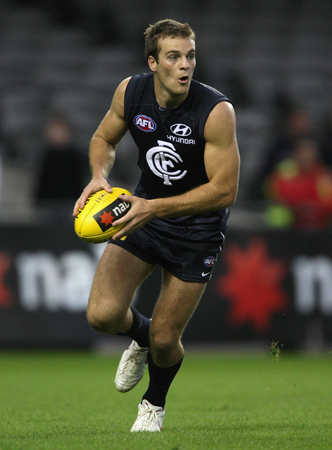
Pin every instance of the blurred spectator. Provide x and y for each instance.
(303, 183)
(1, 176)
(61, 176)
(6, 151)
(325, 136)
(294, 125)
(236, 88)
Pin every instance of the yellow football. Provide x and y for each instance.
(94, 223)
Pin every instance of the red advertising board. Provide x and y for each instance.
(274, 285)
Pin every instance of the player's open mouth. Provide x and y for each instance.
(184, 79)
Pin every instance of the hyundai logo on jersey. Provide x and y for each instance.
(180, 129)
(145, 123)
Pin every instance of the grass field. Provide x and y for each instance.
(68, 401)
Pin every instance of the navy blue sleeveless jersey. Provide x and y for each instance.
(171, 146)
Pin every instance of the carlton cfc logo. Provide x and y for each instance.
(163, 160)
(145, 123)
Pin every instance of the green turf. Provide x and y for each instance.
(68, 401)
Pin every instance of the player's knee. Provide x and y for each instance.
(97, 321)
(102, 322)
(162, 344)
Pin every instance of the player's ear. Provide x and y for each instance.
(152, 63)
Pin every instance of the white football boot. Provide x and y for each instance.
(149, 417)
(131, 367)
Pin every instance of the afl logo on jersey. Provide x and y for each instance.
(145, 123)
(180, 129)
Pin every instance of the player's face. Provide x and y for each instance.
(174, 70)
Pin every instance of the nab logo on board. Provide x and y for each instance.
(145, 123)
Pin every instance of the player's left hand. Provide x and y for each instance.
(140, 213)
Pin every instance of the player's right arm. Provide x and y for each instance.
(103, 145)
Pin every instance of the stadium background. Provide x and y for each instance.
(269, 284)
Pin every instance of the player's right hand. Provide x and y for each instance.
(96, 184)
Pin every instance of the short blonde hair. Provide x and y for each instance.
(161, 30)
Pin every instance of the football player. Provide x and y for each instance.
(188, 155)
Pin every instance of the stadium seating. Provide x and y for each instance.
(271, 46)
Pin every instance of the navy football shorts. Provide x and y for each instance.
(188, 254)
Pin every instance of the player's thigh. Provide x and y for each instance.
(176, 304)
(119, 273)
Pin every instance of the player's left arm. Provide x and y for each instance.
(221, 157)
(222, 165)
